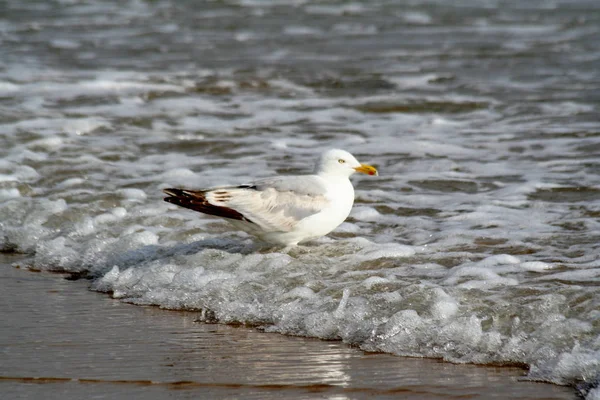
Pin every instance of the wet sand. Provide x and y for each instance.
(60, 340)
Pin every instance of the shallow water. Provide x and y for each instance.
(78, 344)
(477, 244)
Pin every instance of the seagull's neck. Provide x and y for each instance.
(339, 190)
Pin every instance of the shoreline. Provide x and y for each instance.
(62, 340)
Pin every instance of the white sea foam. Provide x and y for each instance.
(6, 194)
(65, 44)
(419, 18)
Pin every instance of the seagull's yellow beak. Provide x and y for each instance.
(366, 169)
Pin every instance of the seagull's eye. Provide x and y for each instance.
(341, 161)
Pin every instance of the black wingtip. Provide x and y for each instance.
(182, 197)
(196, 200)
(173, 192)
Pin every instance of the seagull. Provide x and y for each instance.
(283, 210)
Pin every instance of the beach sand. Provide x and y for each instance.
(63, 341)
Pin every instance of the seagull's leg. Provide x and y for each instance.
(278, 248)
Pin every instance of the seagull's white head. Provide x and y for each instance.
(341, 163)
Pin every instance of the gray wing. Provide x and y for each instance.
(274, 204)
(310, 185)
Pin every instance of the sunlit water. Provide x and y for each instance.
(479, 242)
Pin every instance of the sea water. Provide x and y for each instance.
(478, 243)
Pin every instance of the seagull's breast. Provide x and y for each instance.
(340, 194)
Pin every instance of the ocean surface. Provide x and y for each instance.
(478, 243)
